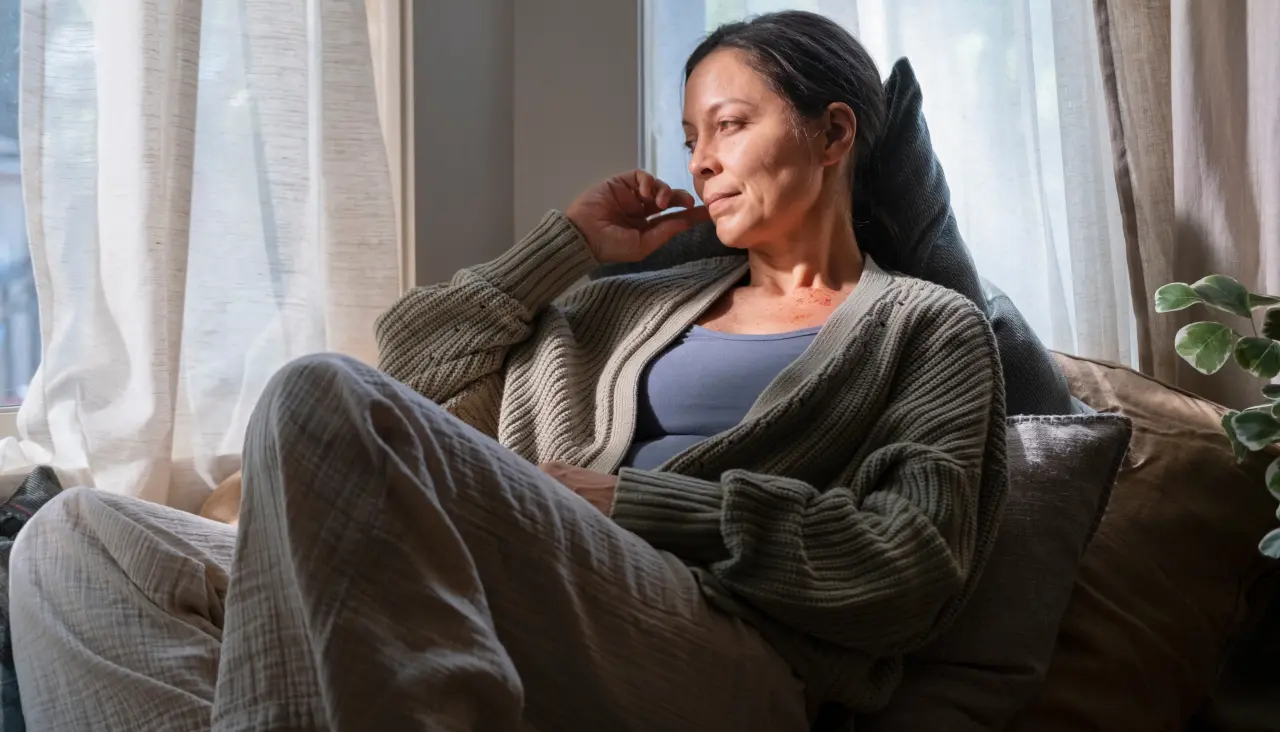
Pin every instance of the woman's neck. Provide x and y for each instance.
(822, 255)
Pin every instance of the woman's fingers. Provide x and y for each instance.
(645, 185)
(663, 196)
(655, 195)
(682, 198)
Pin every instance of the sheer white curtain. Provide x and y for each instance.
(1014, 98)
(208, 197)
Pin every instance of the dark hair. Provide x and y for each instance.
(811, 61)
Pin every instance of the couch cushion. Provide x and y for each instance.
(1246, 695)
(991, 661)
(1167, 581)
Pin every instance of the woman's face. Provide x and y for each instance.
(756, 166)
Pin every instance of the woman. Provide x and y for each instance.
(792, 463)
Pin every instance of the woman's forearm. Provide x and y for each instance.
(449, 341)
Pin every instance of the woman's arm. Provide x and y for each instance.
(873, 565)
(449, 341)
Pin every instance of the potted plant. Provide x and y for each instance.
(1208, 345)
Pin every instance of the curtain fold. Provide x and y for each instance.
(1195, 122)
(208, 197)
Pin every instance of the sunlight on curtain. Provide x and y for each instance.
(208, 198)
(1013, 94)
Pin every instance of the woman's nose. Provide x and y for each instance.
(702, 163)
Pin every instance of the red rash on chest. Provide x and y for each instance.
(814, 298)
(805, 304)
(799, 308)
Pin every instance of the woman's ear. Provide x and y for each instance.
(840, 126)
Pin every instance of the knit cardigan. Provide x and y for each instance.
(848, 515)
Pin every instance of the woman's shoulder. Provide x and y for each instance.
(929, 296)
(655, 285)
(934, 308)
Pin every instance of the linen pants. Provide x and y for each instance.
(394, 569)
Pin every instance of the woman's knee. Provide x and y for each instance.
(73, 510)
(305, 394)
(310, 380)
(53, 537)
(309, 420)
(330, 415)
(84, 540)
(326, 391)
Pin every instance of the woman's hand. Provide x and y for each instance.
(613, 216)
(597, 488)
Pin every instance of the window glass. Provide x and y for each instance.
(19, 324)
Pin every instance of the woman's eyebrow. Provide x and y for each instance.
(717, 105)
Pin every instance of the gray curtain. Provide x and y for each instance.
(1195, 122)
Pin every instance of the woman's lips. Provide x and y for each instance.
(720, 198)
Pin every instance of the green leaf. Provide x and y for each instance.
(1259, 356)
(1175, 296)
(1230, 429)
(1256, 430)
(1205, 345)
(1273, 478)
(1271, 323)
(1270, 544)
(1223, 293)
(1258, 301)
(1272, 392)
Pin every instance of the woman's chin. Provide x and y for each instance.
(729, 234)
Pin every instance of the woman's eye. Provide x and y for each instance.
(724, 125)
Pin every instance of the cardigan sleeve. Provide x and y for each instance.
(449, 341)
(871, 565)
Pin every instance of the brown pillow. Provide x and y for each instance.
(993, 659)
(1165, 584)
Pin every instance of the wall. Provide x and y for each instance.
(520, 104)
(577, 99)
(463, 147)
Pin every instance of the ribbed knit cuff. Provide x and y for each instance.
(672, 512)
(542, 265)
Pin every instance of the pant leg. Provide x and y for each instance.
(117, 608)
(397, 569)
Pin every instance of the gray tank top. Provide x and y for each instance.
(702, 385)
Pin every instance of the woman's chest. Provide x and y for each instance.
(577, 391)
(744, 310)
(707, 381)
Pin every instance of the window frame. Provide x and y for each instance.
(391, 43)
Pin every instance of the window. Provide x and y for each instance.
(19, 325)
(1013, 95)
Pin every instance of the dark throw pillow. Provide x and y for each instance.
(993, 660)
